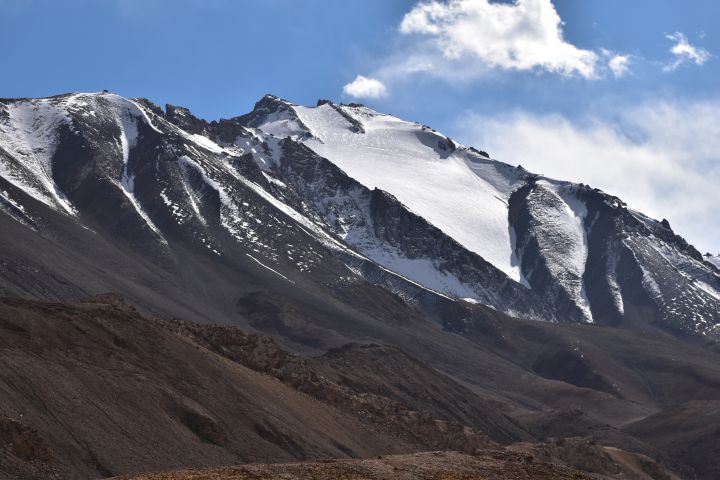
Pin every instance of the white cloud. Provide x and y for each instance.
(684, 52)
(619, 65)
(524, 35)
(363, 87)
(462, 41)
(661, 158)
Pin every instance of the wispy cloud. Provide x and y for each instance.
(662, 158)
(619, 65)
(684, 52)
(363, 87)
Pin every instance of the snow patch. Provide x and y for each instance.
(205, 142)
(421, 271)
(708, 289)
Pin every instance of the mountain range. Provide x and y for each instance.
(402, 291)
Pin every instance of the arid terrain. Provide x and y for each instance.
(95, 389)
(424, 466)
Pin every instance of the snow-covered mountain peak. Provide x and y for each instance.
(544, 235)
(457, 190)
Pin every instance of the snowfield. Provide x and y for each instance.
(462, 193)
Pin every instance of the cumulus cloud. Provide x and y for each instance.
(619, 65)
(661, 158)
(462, 41)
(684, 52)
(524, 35)
(363, 87)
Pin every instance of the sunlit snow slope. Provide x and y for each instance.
(460, 192)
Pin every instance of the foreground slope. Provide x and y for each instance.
(94, 389)
(97, 390)
(515, 464)
(435, 465)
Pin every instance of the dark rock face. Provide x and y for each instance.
(482, 153)
(660, 277)
(183, 118)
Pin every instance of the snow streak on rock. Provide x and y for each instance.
(29, 133)
(127, 114)
(560, 231)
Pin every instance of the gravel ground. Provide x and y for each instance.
(492, 465)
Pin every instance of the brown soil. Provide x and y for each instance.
(95, 389)
(494, 465)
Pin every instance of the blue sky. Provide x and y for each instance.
(615, 93)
